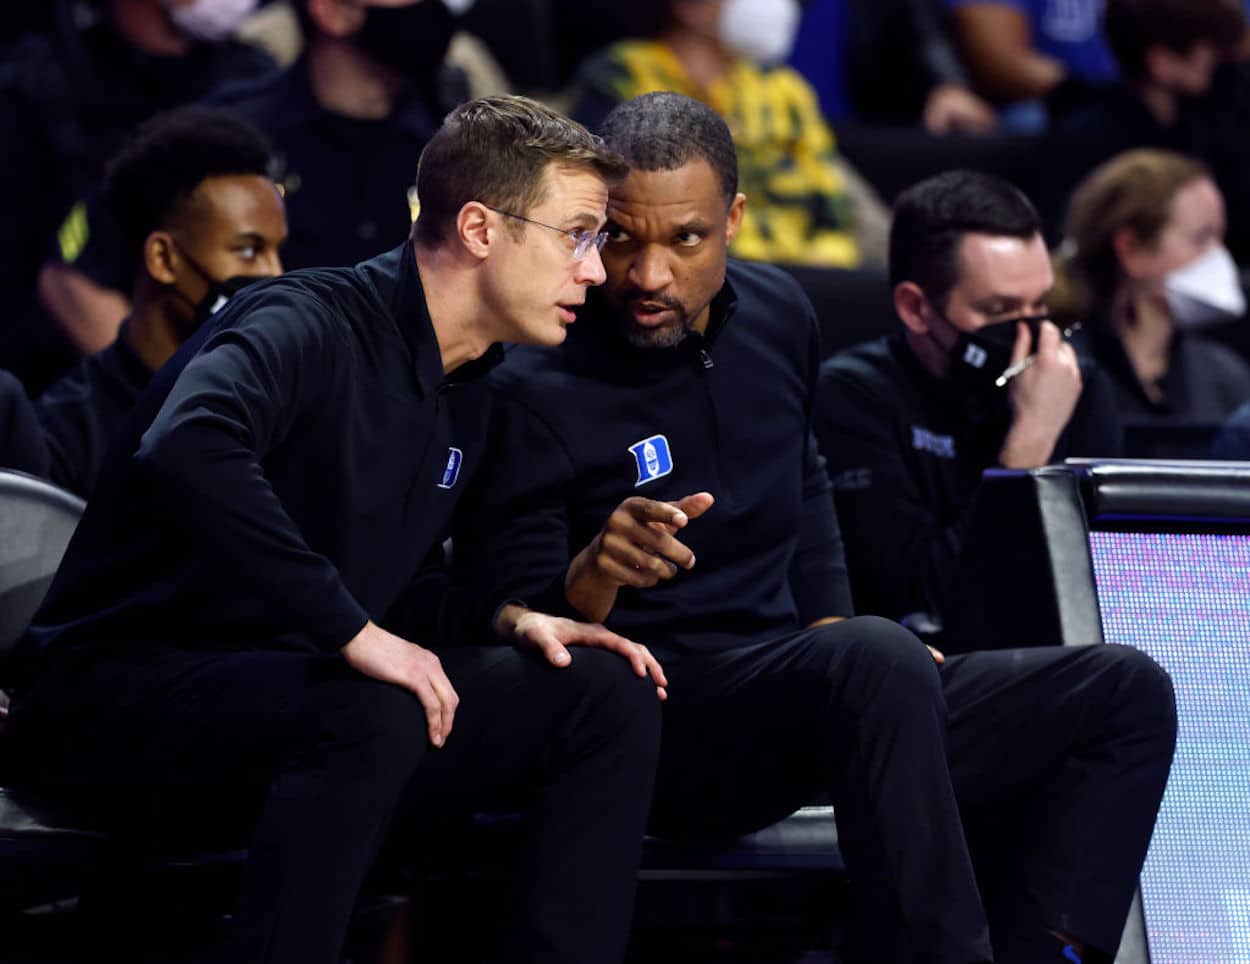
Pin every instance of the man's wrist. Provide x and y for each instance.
(507, 616)
(357, 636)
(590, 594)
(1026, 448)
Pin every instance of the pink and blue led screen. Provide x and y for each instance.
(1185, 599)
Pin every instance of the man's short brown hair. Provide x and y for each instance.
(495, 150)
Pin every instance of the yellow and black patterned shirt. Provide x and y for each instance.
(798, 210)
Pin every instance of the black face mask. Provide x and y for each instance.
(219, 292)
(980, 357)
(411, 40)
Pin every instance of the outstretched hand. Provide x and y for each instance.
(553, 635)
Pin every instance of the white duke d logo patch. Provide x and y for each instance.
(653, 457)
(452, 471)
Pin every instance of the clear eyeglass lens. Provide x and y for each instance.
(584, 240)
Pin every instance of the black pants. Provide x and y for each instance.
(1046, 766)
(318, 762)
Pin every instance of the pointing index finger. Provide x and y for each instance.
(665, 513)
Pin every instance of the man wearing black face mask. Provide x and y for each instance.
(203, 219)
(977, 378)
(347, 122)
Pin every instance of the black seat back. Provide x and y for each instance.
(852, 306)
(37, 520)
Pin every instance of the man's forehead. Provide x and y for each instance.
(692, 187)
(1002, 265)
(232, 195)
(570, 190)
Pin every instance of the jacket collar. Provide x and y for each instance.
(398, 281)
(599, 330)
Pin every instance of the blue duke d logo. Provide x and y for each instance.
(452, 471)
(653, 458)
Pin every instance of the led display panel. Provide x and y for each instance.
(1184, 598)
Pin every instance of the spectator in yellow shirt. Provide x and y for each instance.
(726, 53)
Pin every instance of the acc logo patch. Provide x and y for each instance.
(653, 457)
(452, 471)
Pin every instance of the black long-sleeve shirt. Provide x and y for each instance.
(1203, 384)
(906, 451)
(83, 409)
(287, 476)
(729, 413)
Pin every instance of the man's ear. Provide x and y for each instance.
(160, 257)
(912, 306)
(734, 221)
(475, 229)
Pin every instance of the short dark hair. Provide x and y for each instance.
(932, 217)
(1132, 27)
(151, 177)
(662, 131)
(495, 150)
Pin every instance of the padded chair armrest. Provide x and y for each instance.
(1138, 490)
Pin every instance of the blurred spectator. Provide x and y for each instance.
(909, 423)
(582, 29)
(198, 210)
(347, 120)
(1168, 51)
(1144, 264)
(724, 53)
(1020, 51)
(841, 45)
(67, 100)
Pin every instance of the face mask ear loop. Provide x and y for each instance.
(941, 315)
(213, 286)
(199, 268)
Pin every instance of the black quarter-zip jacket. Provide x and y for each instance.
(289, 474)
(906, 451)
(579, 428)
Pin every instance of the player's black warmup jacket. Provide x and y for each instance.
(351, 410)
(270, 493)
(728, 412)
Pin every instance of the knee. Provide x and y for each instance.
(384, 725)
(875, 659)
(1141, 688)
(607, 690)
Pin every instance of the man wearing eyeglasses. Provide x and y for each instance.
(679, 410)
(252, 636)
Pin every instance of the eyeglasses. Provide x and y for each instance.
(581, 238)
